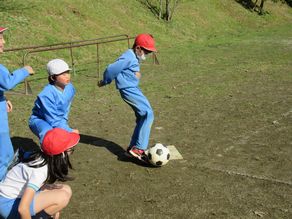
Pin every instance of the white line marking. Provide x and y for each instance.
(174, 154)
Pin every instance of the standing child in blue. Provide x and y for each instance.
(29, 187)
(126, 73)
(52, 106)
(7, 82)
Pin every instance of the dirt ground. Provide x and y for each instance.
(228, 110)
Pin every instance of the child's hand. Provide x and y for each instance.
(29, 69)
(8, 106)
(75, 131)
(138, 75)
(100, 83)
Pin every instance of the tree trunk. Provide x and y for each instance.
(173, 9)
(255, 5)
(160, 9)
(167, 10)
(262, 7)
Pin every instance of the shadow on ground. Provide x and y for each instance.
(112, 147)
(26, 143)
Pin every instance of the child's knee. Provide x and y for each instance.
(65, 195)
(146, 112)
(68, 190)
(150, 115)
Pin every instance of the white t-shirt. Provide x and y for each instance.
(20, 177)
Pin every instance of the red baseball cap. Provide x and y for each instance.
(2, 29)
(146, 41)
(58, 140)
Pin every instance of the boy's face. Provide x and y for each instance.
(141, 52)
(2, 42)
(63, 79)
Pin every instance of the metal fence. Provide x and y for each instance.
(70, 45)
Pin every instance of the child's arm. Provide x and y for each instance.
(24, 205)
(9, 81)
(113, 70)
(52, 114)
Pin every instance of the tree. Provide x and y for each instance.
(163, 9)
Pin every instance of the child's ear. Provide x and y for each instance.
(138, 49)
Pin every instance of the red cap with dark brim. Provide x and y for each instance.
(146, 41)
(58, 140)
(2, 29)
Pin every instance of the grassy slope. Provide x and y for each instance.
(43, 22)
(47, 22)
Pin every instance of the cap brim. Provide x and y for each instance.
(2, 29)
(74, 140)
(152, 49)
(69, 69)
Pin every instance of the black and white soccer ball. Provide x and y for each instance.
(158, 154)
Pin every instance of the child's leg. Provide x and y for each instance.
(53, 200)
(39, 127)
(6, 148)
(135, 135)
(9, 209)
(144, 116)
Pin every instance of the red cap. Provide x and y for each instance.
(2, 29)
(146, 41)
(58, 140)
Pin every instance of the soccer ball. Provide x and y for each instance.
(158, 155)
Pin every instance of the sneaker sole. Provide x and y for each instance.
(138, 157)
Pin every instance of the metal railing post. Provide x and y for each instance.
(72, 58)
(97, 61)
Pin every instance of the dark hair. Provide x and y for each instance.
(52, 79)
(134, 46)
(58, 165)
(145, 50)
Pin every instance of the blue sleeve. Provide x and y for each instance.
(70, 91)
(9, 81)
(114, 69)
(63, 124)
(50, 112)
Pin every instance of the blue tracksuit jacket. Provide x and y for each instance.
(7, 82)
(51, 110)
(123, 72)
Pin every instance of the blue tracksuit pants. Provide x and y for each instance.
(6, 148)
(144, 116)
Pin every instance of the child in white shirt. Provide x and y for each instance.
(28, 188)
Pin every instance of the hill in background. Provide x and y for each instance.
(46, 22)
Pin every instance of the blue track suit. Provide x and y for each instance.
(51, 110)
(7, 82)
(123, 72)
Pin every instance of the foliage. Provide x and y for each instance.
(289, 2)
(258, 6)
